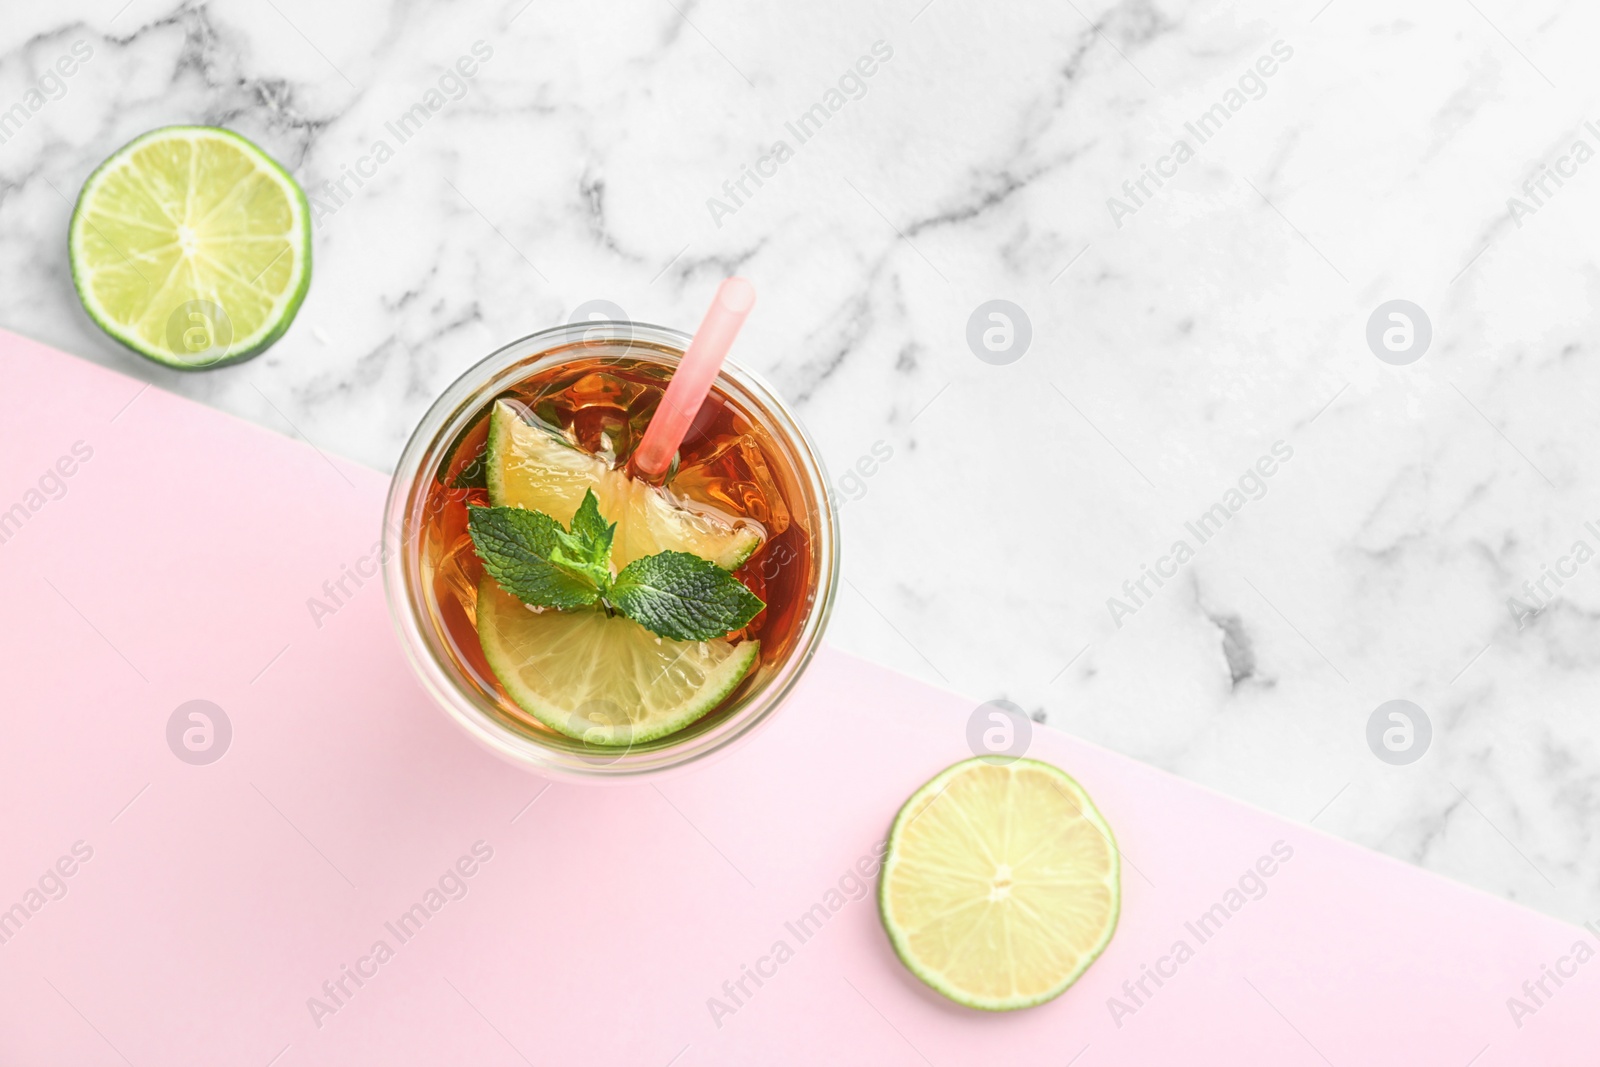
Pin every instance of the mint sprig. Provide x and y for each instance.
(519, 549)
(676, 595)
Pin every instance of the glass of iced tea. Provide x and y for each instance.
(525, 460)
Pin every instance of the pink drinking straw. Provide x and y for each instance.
(692, 381)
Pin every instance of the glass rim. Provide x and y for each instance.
(448, 415)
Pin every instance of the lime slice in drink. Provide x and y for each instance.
(1000, 885)
(532, 468)
(192, 247)
(604, 679)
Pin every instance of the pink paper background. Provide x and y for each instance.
(219, 898)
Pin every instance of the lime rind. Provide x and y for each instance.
(285, 305)
(740, 551)
(898, 937)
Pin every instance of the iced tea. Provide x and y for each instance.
(731, 468)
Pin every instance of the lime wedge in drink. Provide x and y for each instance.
(192, 247)
(601, 678)
(1001, 883)
(531, 467)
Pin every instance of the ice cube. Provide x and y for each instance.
(736, 478)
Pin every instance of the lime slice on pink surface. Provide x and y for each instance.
(1001, 883)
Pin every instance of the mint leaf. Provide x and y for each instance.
(593, 534)
(680, 596)
(522, 551)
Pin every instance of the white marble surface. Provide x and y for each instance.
(1226, 313)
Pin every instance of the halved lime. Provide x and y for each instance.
(600, 678)
(1001, 883)
(531, 467)
(192, 247)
